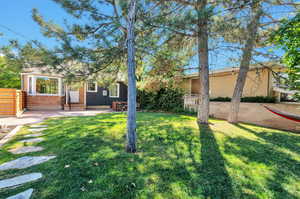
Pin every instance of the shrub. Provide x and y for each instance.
(259, 99)
(221, 99)
(163, 100)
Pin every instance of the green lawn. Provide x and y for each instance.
(175, 159)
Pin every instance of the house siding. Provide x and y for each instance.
(39, 102)
(97, 98)
(222, 84)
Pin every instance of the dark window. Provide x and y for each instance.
(92, 87)
(45, 85)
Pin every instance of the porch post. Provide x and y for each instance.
(67, 94)
(84, 90)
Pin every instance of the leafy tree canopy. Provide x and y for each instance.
(9, 74)
(287, 37)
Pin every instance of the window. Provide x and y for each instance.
(92, 87)
(45, 85)
(114, 90)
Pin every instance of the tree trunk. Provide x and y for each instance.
(252, 29)
(131, 114)
(203, 108)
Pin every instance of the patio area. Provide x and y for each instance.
(31, 117)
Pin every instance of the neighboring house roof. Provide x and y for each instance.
(48, 72)
(234, 69)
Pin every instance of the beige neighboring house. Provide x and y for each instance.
(259, 82)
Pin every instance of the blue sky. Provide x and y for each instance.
(16, 16)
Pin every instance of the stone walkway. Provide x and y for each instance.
(34, 135)
(33, 140)
(37, 129)
(23, 195)
(12, 182)
(26, 149)
(25, 162)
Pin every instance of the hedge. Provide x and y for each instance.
(163, 100)
(256, 99)
(171, 100)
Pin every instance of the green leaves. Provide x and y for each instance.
(9, 74)
(287, 37)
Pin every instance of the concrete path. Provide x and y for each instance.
(19, 180)
(33, 140)
(23, 195)
(31, 117)
(26, 149)
(25, 162)
(10, 135)
(38, 126)
(33, 135)
(37, 129)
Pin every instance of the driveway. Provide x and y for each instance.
(30, 117)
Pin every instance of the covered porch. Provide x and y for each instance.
(75, 97)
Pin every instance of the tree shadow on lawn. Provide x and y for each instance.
(200, 164)
(92, 163)
(215, 178)
(270, 151)
(288, 140)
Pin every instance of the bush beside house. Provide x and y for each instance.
(171, 100)
(256, 99)
(165, 99)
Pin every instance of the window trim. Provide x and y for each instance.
(92, 91)
(118, 91)
(33, 86)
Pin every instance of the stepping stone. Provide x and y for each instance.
(11, 182)
(34, 140)
(39, 126)
(37, 130)
(23, 195)
(34, 135)
(25, 162)
(26, 149)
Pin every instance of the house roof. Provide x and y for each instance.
(46, 71)
(234, 69)
(40, 71)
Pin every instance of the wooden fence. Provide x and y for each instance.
(12, 102)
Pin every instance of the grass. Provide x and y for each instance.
(175, 159)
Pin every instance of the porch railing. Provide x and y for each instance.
(191, 102)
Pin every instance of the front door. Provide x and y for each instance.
(74, 96)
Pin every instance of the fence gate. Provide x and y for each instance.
(12, 102)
